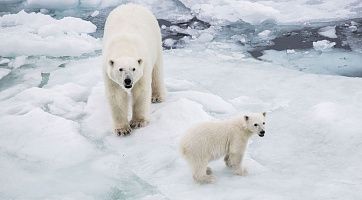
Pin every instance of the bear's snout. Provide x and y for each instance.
(261, 134)
(127, 83)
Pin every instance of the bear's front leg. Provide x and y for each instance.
(141, 105)
(118, 100)
(234, 157)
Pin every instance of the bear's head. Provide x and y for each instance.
(255, 123)
(125, 71)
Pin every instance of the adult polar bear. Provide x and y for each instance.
(132, 63)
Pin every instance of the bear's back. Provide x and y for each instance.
(131, 19)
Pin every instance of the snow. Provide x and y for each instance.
(229, 11)
(43, 35)
(328, 31)
(323, 45)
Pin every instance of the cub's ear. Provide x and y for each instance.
(140, 61)
(111, 63)
(264, 113)
(246, 118)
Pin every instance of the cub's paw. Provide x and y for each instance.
(124, 131)
(157, 99)
(208, 171)
(206, 179)
(241, 172)
(138, 123)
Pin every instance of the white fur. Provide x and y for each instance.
(132, 43)
(211, 140)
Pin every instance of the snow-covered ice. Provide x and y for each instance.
(61, 139)
(4, 72)
(43, 35)
(328, 31)
(56, 139)
(323, 45)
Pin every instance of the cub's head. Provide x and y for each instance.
(125, 71)
(255, 123)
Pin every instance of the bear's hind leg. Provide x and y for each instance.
(158, 85)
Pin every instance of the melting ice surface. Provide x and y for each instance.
(56, 139)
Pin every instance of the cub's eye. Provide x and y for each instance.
(120, 69)
(111, 62)
(134, 69)
(255, 124)
(263, 123)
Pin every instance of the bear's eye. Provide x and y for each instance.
(255, 124)
(120, 69)
(133, 69)
(263, 123)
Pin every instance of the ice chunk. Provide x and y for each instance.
(91, 3)
(231, 10)
(4, 61)
(95, 13)
(228, 11)
(323, 45)
(18, 62)
(205, 37)
(290, 51)
(353, 28)
(328, 31)
(54, 4)
(43, 35)
(51, 140)
(264, 34)
(4, 72)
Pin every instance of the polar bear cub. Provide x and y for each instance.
(132, 64)
(209, 141)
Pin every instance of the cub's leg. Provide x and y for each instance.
(235, 156)
(235, 163)
(201, 173)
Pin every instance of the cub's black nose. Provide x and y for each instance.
(127, 81)
(262, 132)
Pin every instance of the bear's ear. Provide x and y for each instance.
(264, 113)
(140, 61)
(246, 118)
(111, 63)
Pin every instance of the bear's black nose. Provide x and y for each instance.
(127, 81)
(262, 132)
